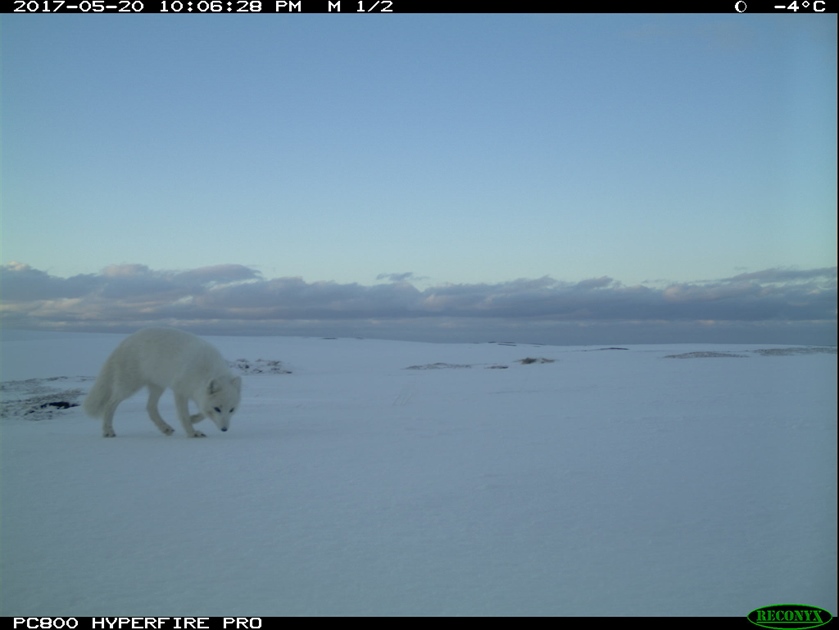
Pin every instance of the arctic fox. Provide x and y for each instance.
(158, 358)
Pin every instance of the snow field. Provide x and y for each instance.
(608, 482)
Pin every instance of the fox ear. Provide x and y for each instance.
(213, 387)
(237, 383)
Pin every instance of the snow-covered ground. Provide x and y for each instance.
(395, 478)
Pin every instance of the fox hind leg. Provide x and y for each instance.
(108, 420)
(155, 392)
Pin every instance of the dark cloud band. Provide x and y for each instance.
(235, 297)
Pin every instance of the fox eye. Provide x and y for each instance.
(217, 409)
(232, 409)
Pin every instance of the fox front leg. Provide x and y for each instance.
(182, 405)
(155, 393)
(196, 418)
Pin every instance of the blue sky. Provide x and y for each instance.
(434, 151)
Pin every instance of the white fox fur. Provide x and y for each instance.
(158, 358)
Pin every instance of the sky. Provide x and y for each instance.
(559, 178)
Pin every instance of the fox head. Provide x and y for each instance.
(221, 400)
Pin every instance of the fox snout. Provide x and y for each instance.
(222, 422)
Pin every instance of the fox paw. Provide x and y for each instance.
(167, 430)
(108, 434)
(197, 434)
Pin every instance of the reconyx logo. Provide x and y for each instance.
(789, 616)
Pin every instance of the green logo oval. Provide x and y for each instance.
(789, 616)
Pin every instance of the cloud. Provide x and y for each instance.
(21, 283)
(399, 277)
(235, 298)
(787, 275)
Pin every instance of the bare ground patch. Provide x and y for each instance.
(38, 398)
(706, 355)
(785, 352)
(259, 366)
(492, 366)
